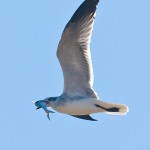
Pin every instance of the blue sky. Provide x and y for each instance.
(29, 70)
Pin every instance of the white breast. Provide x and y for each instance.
(78, 107)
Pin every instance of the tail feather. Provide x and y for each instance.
(112, 108)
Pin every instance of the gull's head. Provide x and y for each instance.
(43, 104)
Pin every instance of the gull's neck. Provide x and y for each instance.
(52, 99)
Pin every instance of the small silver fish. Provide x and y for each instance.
(43, 104)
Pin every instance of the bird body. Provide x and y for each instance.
(79, 98)
(86, 106)
(76, 107)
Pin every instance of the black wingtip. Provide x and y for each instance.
(87, 7)
(85, 117)
(112, 109)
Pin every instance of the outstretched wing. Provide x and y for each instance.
(74, 52)
(85, 117)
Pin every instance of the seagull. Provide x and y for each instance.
(79, 98)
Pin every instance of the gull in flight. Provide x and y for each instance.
(79, 98)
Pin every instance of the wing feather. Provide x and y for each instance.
(74, 51)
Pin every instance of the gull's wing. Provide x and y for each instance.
(74, 52)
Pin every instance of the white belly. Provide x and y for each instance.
(78, 107)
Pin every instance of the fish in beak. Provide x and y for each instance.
(38, 108)
(43, 104)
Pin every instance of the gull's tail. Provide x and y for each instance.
(112, 108)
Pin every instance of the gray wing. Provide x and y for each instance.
(74, 52)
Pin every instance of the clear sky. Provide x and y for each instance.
(29, 70)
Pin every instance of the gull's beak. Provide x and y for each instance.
(38, 108)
